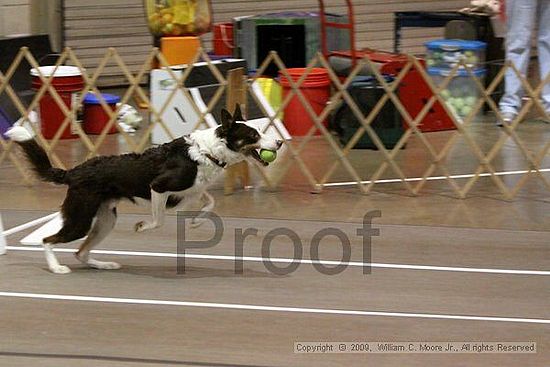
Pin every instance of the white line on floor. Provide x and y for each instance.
(235, 306)
(302, 261)
(435, 178)
(390, 180)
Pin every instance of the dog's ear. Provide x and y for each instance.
(238, 116)
(227, 119)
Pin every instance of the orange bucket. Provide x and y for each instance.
(179, 50)
(315, 88)
(223, 39)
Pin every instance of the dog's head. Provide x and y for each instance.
(245, 139)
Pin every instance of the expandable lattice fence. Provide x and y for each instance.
(437, 157)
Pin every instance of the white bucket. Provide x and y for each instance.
(61, 71)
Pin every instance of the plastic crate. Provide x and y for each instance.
(388, 125)
(294, 35)
(461, 93)
(446, 53)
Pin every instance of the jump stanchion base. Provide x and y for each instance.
(47, 229)
(54, 223)
(2, 238)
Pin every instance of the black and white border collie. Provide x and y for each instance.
(170, 175)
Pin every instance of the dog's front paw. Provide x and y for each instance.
(60, 269)
(143, 226)
(197, 222)
(103, 265)
(138, 227)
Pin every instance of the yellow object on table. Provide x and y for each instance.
(273, 92)
(178, 17)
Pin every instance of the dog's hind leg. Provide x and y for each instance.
(53, 264)
(104, 223)
(78, 214)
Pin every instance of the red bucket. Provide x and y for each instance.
(223, 39)
(67, 81)
(315, 88)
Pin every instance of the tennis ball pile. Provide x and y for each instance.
(268, 155)
(460, 97)
(445, 58)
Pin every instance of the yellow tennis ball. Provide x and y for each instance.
(268, 155)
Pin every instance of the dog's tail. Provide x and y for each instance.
(36, 155)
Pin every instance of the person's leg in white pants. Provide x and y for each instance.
(520, 17)
(543, 46)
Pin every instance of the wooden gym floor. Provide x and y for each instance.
(443, 269)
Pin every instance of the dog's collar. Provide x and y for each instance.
(216, 161)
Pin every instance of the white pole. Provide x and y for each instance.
(30, 224)
(2, 238)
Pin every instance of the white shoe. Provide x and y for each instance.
(507, 118)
